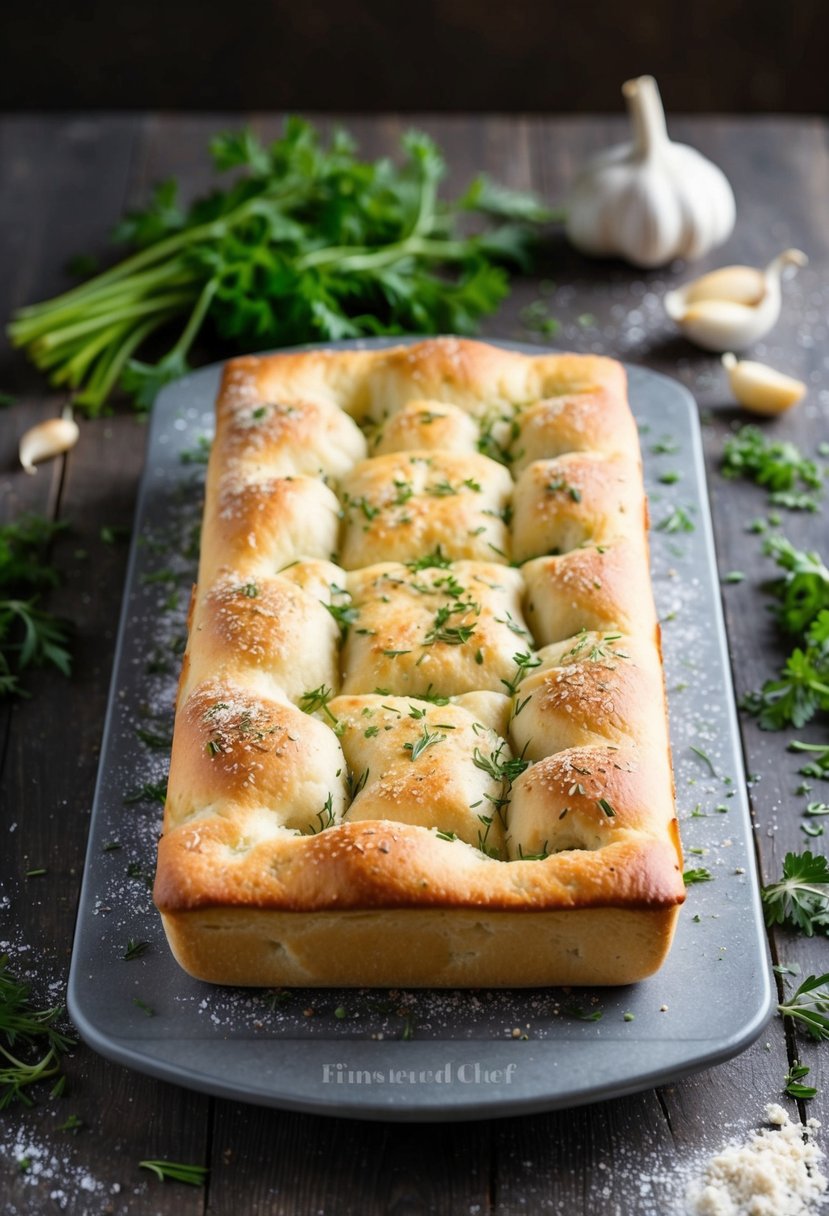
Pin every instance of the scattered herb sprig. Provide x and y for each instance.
(800, 899)
(30, 636)
(809, 1006)
(176, 1171)
(30, 1044)
(802, 609)
(793, 1083)
(776, 464)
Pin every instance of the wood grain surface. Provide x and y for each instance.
(66, 182)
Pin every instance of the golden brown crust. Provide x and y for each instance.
(517, 825)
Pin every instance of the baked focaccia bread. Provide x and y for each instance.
(421, 733)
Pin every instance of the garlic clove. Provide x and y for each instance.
(46, 440)
(724, 310)
(711, 323)
(760, 388)
(741, 284)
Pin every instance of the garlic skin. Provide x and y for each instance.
(652, 200)
(47, 439)
(760, 388)
(734, 306)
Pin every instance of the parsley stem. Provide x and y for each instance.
(69, 332)
(197, 316)
(106, 374)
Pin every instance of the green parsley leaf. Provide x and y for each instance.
(775, 464)
(800, 899)
(809, 1006)
(693, 876)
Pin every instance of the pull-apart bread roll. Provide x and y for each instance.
(421, 733)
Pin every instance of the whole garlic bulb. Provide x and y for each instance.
(652, 200)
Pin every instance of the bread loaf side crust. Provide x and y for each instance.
(491, 802)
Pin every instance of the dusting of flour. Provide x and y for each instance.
(776, 1172)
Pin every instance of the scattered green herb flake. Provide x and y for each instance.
(606, 808)
(678, 521)
(734, 576)
(537, 319)
(670, 478)
(628, 1017)
(111, 534)
(344, 614)
(175, 1171)
(154, 739)
(70, 1124)
(146, 1009)
(393, 654)
(559, 485)
(38, 873)
(150, 791)
(581, 1014)
(699, 875)
(706, 759)
(817, 767)
(665, 447)
(200, 454)
(135, 949)
(340, 1012)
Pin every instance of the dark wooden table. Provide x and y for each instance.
(65, 181)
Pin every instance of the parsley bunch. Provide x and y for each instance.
(29, 635)
(309, 243)
(802, 608)
(778, 465)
